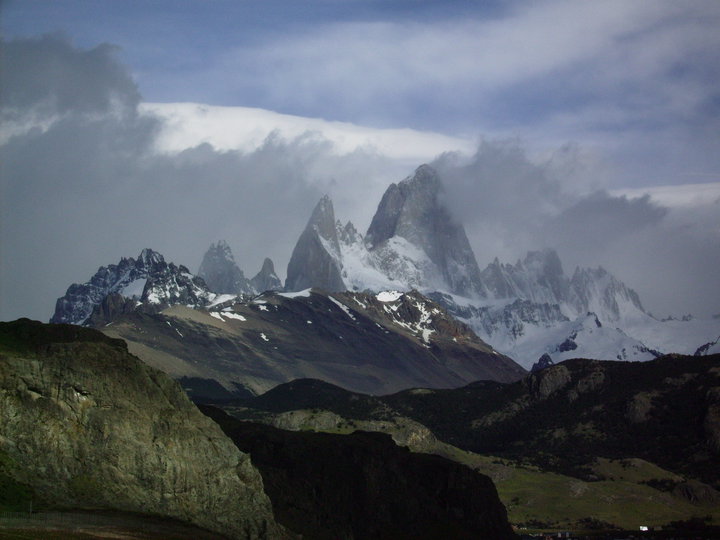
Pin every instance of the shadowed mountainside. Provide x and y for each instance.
(665, 411)
(363, 486)
(354, 340)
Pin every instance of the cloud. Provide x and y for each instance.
(552, 54)
(50, 76)
(244, 128)
(83, 183)
(87, 186)
(633, 82)
(665, 244)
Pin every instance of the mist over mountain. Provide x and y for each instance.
(96, 160)
(223, 275)
(528, 310)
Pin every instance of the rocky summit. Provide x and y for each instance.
(87, 425)
(147, 280)
(221, 273)
(316, 259)
(412, 211)
(266, 279)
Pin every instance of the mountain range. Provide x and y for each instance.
(371, 343)
(524, 310)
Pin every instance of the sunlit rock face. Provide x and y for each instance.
(87, 425)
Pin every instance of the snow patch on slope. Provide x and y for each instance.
(304, 293)
(388, 296)
(343, 307)
(221, 299)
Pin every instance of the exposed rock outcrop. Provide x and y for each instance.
(87, 425)
(548, 381)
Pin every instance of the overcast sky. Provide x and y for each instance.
(165, 124)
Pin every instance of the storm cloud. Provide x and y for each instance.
(49, 76)
(82, 185)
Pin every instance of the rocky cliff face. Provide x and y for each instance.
(540, 279)
(411, 210)
(412, 243)
(221, 273)
(598, 291)
(86, 425)
(316, 259)
(363, 486)
(266, 279)
(147, 279)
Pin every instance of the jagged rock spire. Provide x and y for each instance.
(316, 259)
(266, 279)
(412, 210)
(221, 272)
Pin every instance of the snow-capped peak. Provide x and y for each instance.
(147, 279)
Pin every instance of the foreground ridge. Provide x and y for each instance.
(87, 425)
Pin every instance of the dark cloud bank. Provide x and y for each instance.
(90, 188)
